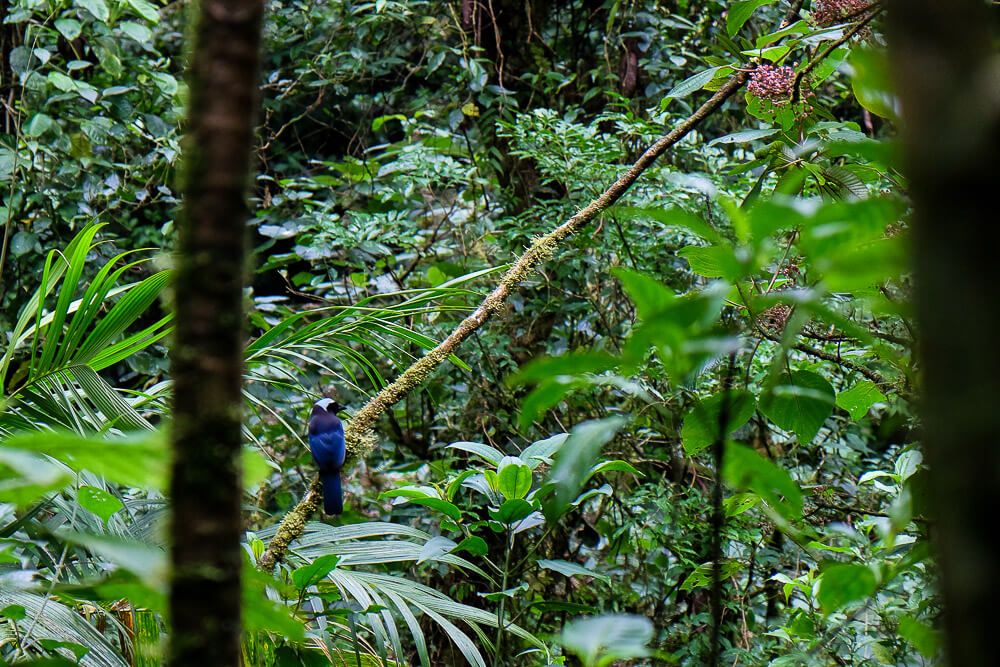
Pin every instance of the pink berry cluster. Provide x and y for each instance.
(772, 83)
(829, 12)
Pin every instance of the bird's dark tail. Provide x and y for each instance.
(333, 497)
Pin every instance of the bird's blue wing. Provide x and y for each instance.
(328, 449)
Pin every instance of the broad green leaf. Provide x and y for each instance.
(145, 9)
(543, 397)
(743, 468)
(412, 492)
(713, 261)
(923, 637)
(307, 575)
(800, 403)
(744, 136)
(614, 466)
(512, 511)
(485, 452)
(843, 584)
(701, 424)
(871, 82)
(68, 28)
(434, 548)
(514, 478)
(570, 569)
(136, 31)
(140, 460)
(538, 452)
(673, 217)
(443, 506)
(78, 650)
(262, 614)
(692, 83)
(25, 477)
(474, 545)
(98, 501)
(97, 8)
(860, 398)
(574, 363)
(649, 295)
(599, 640)
(38, 125)
(701, 576)
(146, 562)
(573, 462)
(740, 13)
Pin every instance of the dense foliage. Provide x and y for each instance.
(689, 438)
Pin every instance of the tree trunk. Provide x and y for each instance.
(948, 82)
(206, 358)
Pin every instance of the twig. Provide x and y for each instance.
(359, 433)
(796, 87)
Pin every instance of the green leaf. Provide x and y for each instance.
(744, 136)
(97, 8)
(574, 460)
(871, 82)
(800, 403)
(14, 612)
(515, 477)
(307, 575)
(434, 548)
(145, 9)
(139, 461)
(649, 295)
(485, 452)
(146, 562)
(602, 639)
(713, 261)
(614, 466)
(843, 584)
(261, 613)
(860, 398)
(743, 468)
(539, 452)
(701, 424)
(68, 28)
(439, 505)
(673, 217)
(474, 545)
(570, 569)
(512, 511)
(98, 501)
(740, 13)
(701, 576)
(574, 363)
(38, 125)
(77, 650)
(923, 637)
(25, 477)
(136, 31)
(692, 83)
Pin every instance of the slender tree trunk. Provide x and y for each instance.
(206, 359)
(948, 79)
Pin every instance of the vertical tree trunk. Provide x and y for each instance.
(948, 81)
(206, 359)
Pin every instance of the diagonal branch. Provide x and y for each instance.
(360, 431)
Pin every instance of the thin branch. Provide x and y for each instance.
(796, 87)
(359, 434)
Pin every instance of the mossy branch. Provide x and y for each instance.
(360, 436)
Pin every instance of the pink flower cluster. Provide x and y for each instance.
(829, 12)
(772, 83)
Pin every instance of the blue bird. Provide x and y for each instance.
(326, 442)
